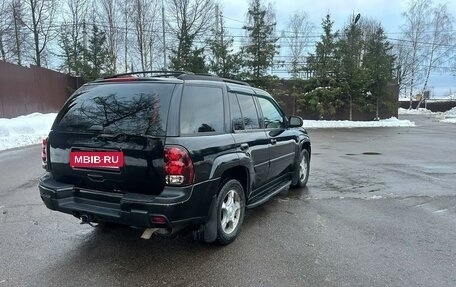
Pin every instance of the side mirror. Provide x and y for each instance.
(295, 122)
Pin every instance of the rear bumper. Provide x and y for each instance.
(178, 205)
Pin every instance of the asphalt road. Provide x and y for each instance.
(379, 210)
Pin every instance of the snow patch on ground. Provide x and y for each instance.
(24, 130)
(449, 117)
(446, 117)
(420, 111)
(392, 122)
(450, 113)
(449, 121)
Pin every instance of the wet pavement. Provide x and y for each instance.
(379, 210)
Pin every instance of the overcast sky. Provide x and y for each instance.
(388, 12)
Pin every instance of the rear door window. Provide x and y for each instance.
(201, 110)
(249, 112)
(235, 110)
(130, 108)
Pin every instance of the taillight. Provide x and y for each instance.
(44, 153)
(158, 219)
(178, 166)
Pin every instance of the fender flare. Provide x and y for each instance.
(231, 160)
(305, 141)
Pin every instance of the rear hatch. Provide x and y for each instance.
(127, 117)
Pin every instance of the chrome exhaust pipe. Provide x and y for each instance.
(85, 219)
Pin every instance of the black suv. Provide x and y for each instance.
(194, 150)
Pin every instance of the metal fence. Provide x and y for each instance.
(432, 105)
(26, 90)
(388, 104)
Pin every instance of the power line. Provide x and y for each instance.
(398, 42)
(233, 19)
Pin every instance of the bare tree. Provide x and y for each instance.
(9, 20)
(71, 34)
(369, 26)
(126, 15)
(190, 21)
(414, 35)
(13, 38)
(17, 10)
(298, 38)
(442, 40)
(144, 15)
(3, 28)
(40, 24)
(110, 14)
(403, 75)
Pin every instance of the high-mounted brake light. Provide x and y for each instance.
(44, 153)
(178, 166)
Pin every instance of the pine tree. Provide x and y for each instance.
(261, 45)
(98, 56)
(193, 19)
(186, 57)
(351, 77)
(378, 63)
(223, 62)
(323, 62)
(70, 50)
(89, 62)
(324, 96)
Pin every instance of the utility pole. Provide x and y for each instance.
(126, 12)
(84, 41)
(354, 58)
(164, 36)
(217, 32)
(217, 19)
(222, 44)
(150, 54)
(16, 33)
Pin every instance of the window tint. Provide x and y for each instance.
(271, 115)
(249, 112)
(236, 116)
(133, 108)
(201, 110)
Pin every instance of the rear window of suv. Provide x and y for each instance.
(130, 108)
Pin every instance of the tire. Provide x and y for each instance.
(302, 169)
(230, 211)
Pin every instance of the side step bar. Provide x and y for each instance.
(281, 187)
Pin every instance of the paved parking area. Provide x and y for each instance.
(379, 210)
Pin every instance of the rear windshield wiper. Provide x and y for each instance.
(111, 136)
(117, 135)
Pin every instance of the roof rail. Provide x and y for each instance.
(209, 77)
(235, 82)
(183, 75)
(163, 73)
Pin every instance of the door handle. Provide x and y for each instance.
(273, 141)
(244, 146)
